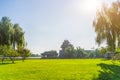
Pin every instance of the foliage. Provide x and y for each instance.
(70, 52)
(94, 54)
(18, 36)
(107, 25)
(6, 51)
(117, 54)
(11, 38)
(10, 34)
(65, 44)
(3, 50)
(103, 50)
(61, 69)
(11, 53)
(35, 55)
(80, 53)
(23, 52)
(108, 72)
(66, 47)
(6, 31)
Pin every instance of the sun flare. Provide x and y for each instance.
(91, 5)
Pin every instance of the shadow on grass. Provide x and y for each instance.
(6, 63)
(108, 72)
(105, 59)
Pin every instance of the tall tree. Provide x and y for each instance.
(70, 52)
(107, 25)
(11, 38)
(80, 53)
(65, 45)
(6, 31)
(18, 37)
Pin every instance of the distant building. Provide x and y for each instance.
(88, 51)
(109, 55)
(49, 54)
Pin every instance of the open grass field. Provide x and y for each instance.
(61, 69)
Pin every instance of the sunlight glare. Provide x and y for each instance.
(91, 5)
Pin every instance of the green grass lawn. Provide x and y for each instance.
(61, 69)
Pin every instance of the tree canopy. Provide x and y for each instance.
(11, 39)
(107, 25)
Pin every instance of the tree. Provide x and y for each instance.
(6, 37)
(11, 53)
(18, 40)
(80, 53)
(23, 52)
(107, 25)
(35, 55)
(103, 50)
(3, 51)
(6, 31)
(64, 45)
(11, 39)
(7, 51)
(69, 52)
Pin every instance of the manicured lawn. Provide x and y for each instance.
(61, 69)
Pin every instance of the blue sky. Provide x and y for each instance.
(47, 23)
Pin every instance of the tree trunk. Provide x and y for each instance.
(12, 59)
(3, 57)
(23, 59)
(2, 60)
